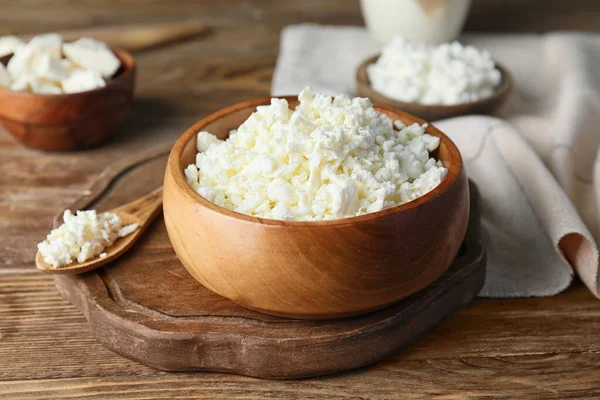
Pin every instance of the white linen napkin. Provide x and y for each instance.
(537, 169)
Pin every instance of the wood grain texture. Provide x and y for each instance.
(135, 38)
(74, 121)
(530, 377)
(542, 348)
(36, 318)
(528, 350)
(435, 112)
(277, 267)
(149, 309)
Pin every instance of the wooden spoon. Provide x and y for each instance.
(138, 37)
(141, 211)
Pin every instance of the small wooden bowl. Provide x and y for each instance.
(435, 112)
(67, 122)
(314, 270)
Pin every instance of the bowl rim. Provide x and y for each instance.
(127, 63)
(176, 170)
(506, 85)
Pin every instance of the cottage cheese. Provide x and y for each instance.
(93, 56)
(446, 74)
(82, 236)
(81, 81)
(8, 45)
(39, 66)
(327, 159)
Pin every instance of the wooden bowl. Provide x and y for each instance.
(67, 122)
(435, 112)
(321, 269)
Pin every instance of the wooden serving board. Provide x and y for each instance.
(146, 307)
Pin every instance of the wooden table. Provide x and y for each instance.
(543, 348)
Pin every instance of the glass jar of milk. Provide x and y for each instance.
(419, 21)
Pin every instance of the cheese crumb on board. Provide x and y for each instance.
(82, 236)
(39, 66)
(447, 74)
(329, 158)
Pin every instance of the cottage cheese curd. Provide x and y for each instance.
(82, 236)
(39, 66)
(327, 159)
(92, 55)
(446, 74)
(8, 45)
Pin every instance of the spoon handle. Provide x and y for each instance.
(139, 37)
(145, 208)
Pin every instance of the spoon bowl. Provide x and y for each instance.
(433, 112)
(141, 211)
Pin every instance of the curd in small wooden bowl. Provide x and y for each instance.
(433, 112)
(73, 121)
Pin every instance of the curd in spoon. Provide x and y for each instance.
(141, 211)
